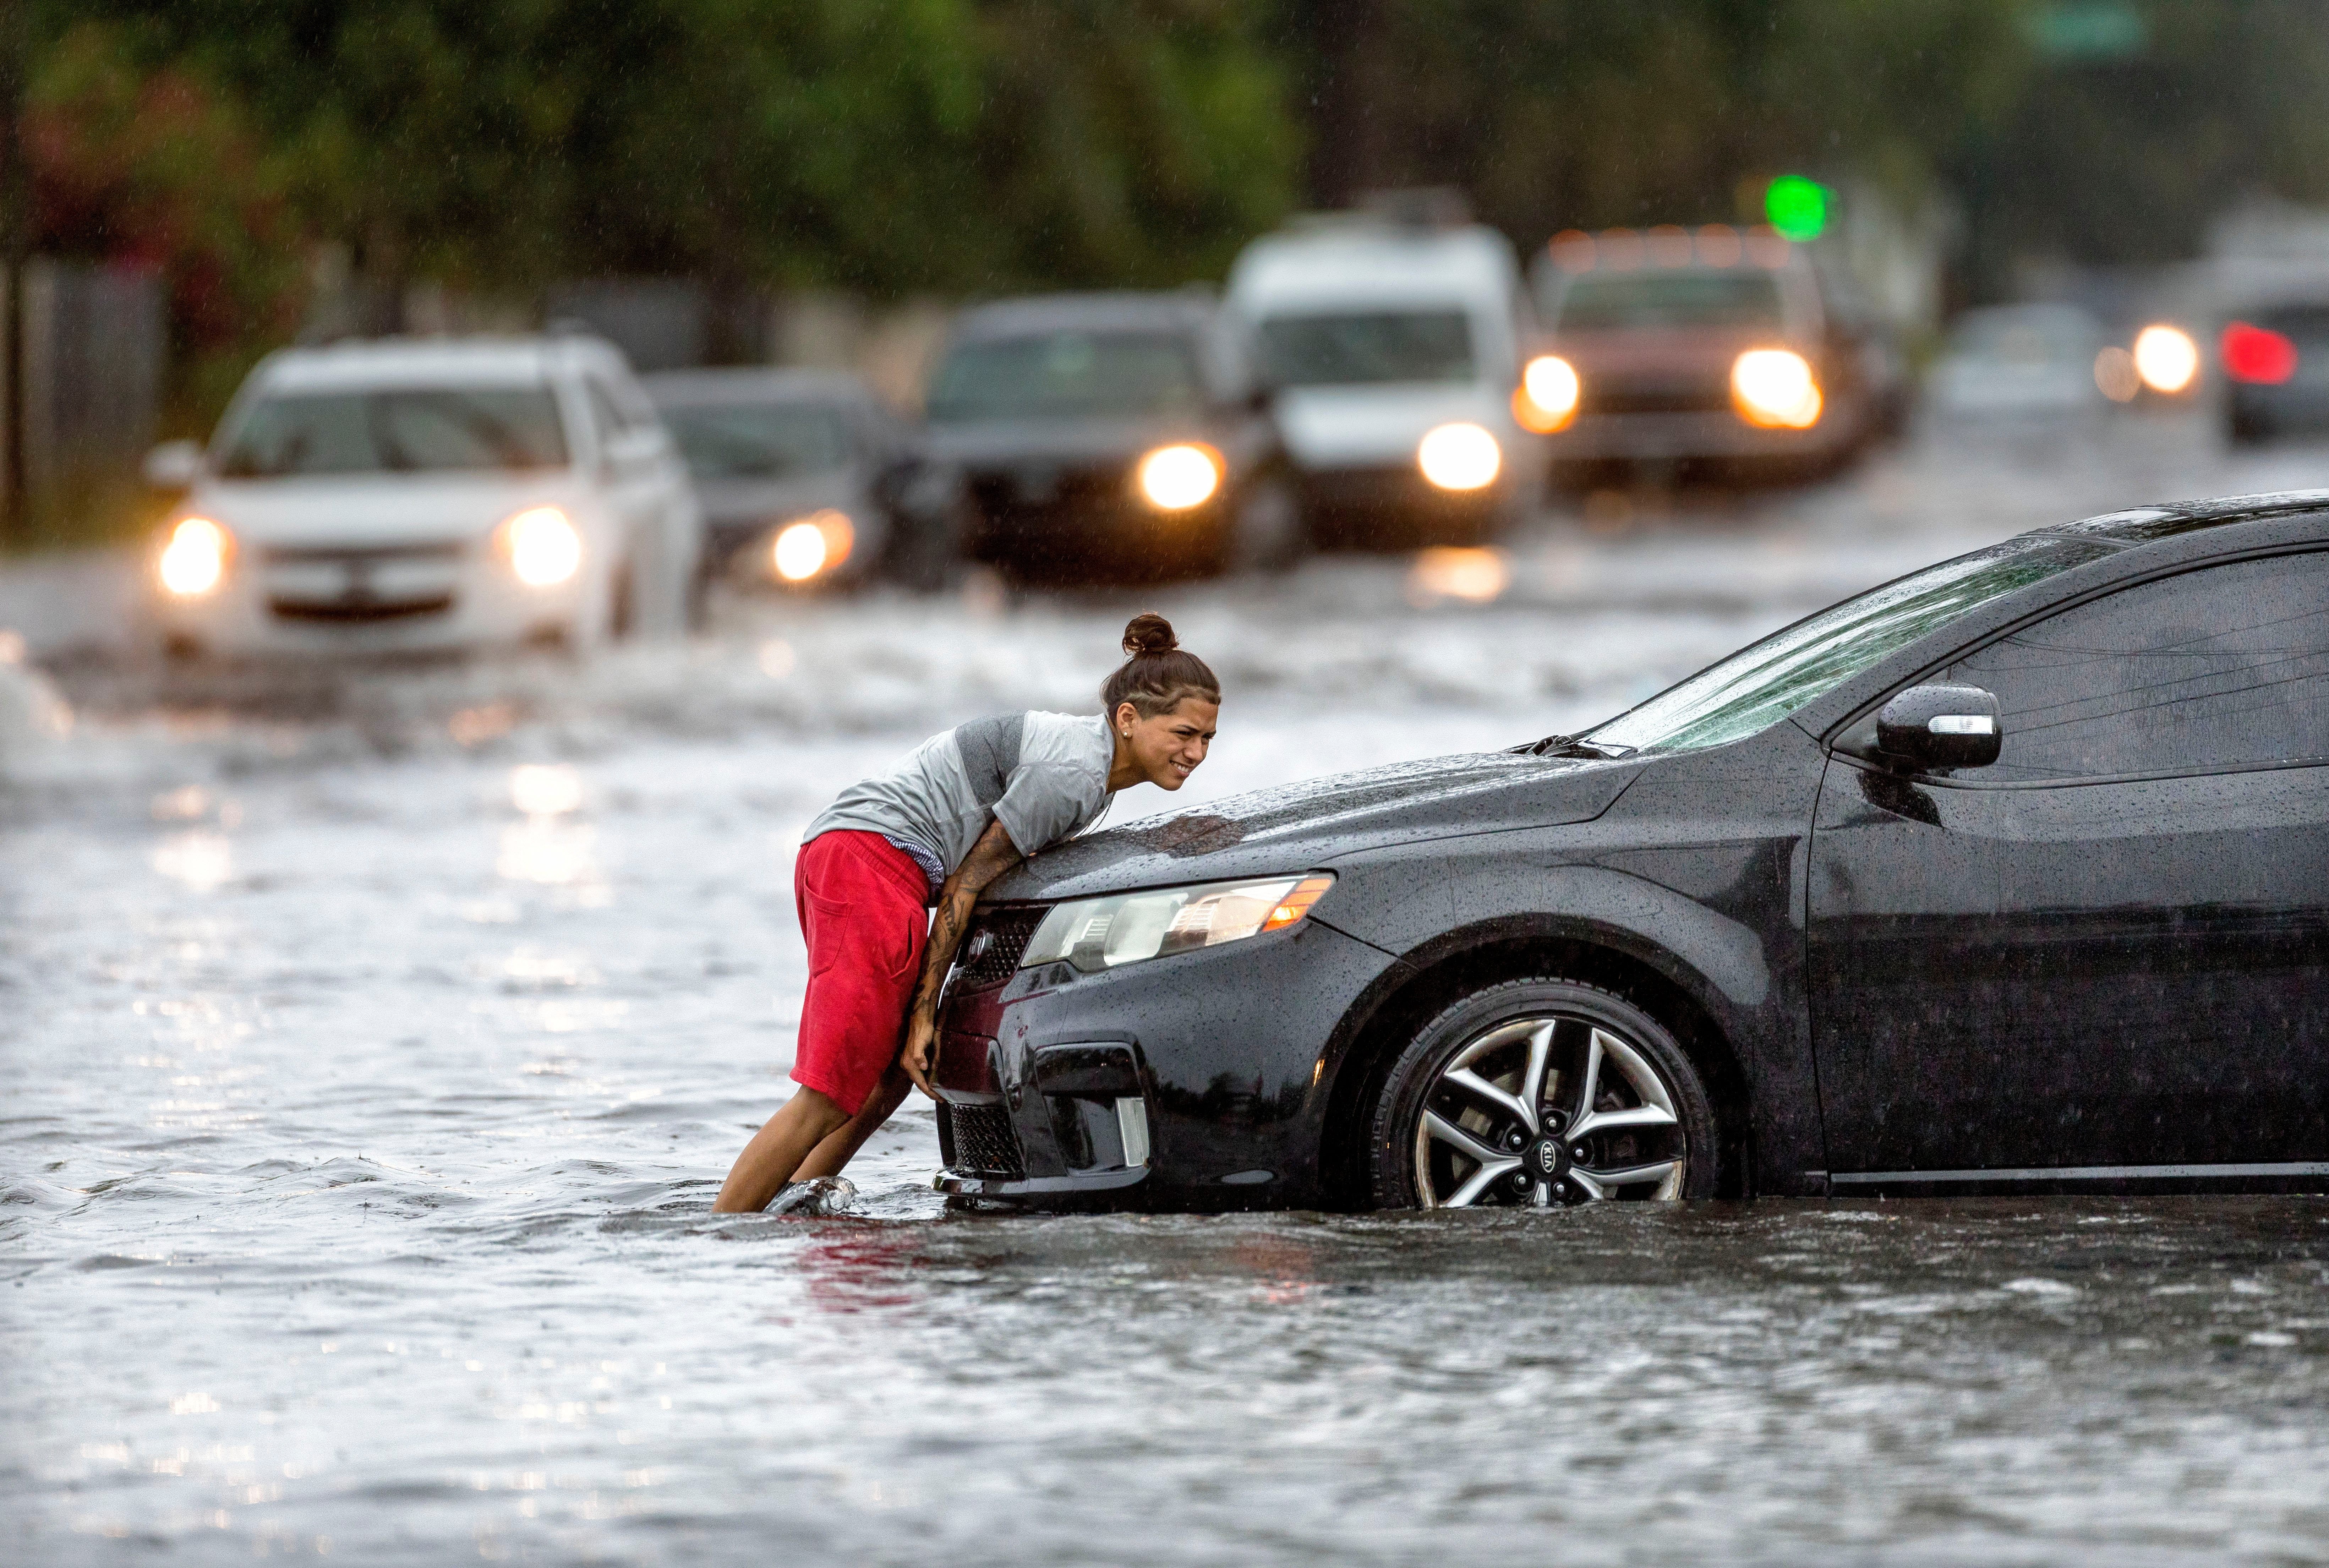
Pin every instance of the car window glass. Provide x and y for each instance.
(1362, 348)
(409, 430)
(2225, 668)
(758, 441)
(1068, 374)
(1603, 301)
(1762, 683)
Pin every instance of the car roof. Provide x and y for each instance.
(1117, 310)
(1357, 256)
(753, 385)
(2175, 519)
(413, 361)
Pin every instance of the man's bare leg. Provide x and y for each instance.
(828, 1156)
(777, 1149)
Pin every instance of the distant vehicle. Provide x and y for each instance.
(1394, 350)
(2013, 365)
(418, 494)
(805, 477)
(1112, 434)
(1713, 347)
(2011, 875)
(2275, 363)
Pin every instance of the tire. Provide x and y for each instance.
(1651, 1120)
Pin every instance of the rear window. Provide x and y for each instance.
(758, 441)
(406, 430)
(1599, 301)
(1068, 374)
(1359, 348)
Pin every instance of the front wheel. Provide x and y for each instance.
(1541, 1092)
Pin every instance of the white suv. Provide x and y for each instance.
(423, 494)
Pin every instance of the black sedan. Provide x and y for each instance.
(1111, 435)
(2012, 874)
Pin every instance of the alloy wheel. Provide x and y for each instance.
(1546, 1110)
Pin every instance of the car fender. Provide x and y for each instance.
(1719, 963)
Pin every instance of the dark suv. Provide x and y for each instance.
(1108, 434)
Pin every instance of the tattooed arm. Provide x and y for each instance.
(989, 858)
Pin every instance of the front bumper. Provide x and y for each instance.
(327, 601)
(1695, 433)
(1222, 1060)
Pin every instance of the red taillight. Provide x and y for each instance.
(2258, 354)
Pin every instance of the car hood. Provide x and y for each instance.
(1302, 827)
(1329, 427)
(729, 503)
(377, 509)
(992, 444)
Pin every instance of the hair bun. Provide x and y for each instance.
(1149, 633)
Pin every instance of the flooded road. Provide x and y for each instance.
(374, 1043)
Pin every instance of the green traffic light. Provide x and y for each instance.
(1796, 206)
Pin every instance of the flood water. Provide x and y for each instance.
(373, 1045)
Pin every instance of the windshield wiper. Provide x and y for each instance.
(1572, 746)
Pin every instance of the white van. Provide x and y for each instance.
(1394, 351)
(426, 494)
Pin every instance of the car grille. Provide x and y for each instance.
(345, 555)
(1658, 399)
(991, 953)
(359, 612)
(979, 1138)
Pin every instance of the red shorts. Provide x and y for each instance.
(864, 911)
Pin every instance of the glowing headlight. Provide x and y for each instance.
(194, 559)
(1774, 388)
(542, 547)
(1459, 458)
(815, 543)
(1175, 478)
(1101, 933)
(2166, 358)
(1549, 393)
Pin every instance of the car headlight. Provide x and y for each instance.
(1548, 396)
(1101, 933)
(1774, 388)
(194, 559)
(1461, 456)
(817, 542)
(2166, 358)
(1176, 477)
(541, 545)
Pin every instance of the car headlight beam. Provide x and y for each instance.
(2166, 358)
(1176, 477)
(543, 547)
(1775, 389)
(1460, 456)
(194, 559)
(1550, 391)
(808, 545)
(1096, 934)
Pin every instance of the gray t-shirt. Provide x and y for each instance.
(1043, 776)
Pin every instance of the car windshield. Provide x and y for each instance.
(1763, 682)
(407, 430)
(1068, 374)
(1362, 348)
(758, 441)
(1605, 301)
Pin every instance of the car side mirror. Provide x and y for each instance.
(1939, 727)
(174, 465)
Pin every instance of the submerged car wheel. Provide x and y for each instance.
(1538, 1092)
